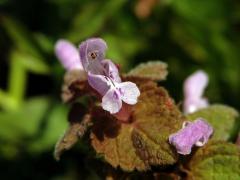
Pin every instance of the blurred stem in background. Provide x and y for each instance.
(17, 80)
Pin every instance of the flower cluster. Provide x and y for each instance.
(103, 75)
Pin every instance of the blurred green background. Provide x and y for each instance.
(186, 34)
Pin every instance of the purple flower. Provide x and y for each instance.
(104, 77)
(192, 133)
(126, 92)
(92, 53)
(194, 87)
(68, 55)
(110, 70)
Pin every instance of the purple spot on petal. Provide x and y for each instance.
(115, 95)
(121, 91)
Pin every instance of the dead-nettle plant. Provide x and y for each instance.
(133, 122)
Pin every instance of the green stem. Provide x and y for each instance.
(6, 102)
(17, 79)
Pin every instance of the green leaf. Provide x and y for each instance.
(45, 42)
(26, 45)
(7, 102)
(20, 36)
(223, 119)
(153, 70)
(23, 122)
(191, 44)
(31, 63)
(92, 18)
(217, 160)
(55, 125)
(201, 12)
(122, 48)
(143, 141)
(36, 126)
(20, 63)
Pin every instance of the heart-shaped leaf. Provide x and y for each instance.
(216, 160)
(144, 140)
(223, 119)
(153, 70)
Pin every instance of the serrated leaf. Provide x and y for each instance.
(113, 140)
(222, 118)
(143, 141)
(153, 70)
(217, 160)
(79, 123)
(69, 138)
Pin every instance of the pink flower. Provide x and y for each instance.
(194, 87)
(68, 55)
(104, 77)
(192, 133)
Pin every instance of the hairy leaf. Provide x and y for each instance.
(223, 119)
(74, 85)
(144, 140)
(75, 131)
(217, 160)
(153, 70)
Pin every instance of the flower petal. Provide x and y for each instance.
(92, 52)
(129, 92)
(68, 55)
(99, 82)
(195, 133)
(207, 131)
(195, 85)
(111, 101)
(111, 70)
(192, 105)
